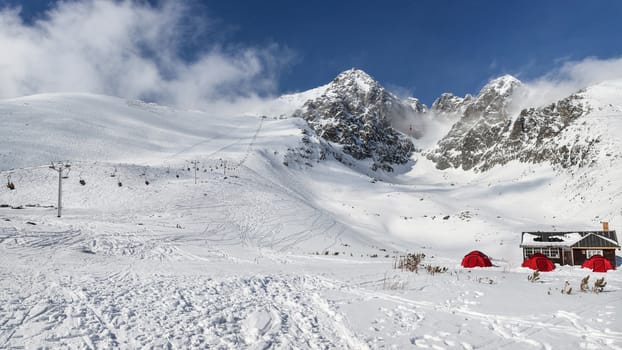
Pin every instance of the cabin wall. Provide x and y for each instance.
(555, 254)
(580, 256)
(610, 254)
(567, 253)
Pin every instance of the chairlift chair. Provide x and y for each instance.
(9, 184)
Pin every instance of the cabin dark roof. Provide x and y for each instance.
(594, 240)
(577, 239)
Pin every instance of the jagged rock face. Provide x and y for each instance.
(493, 99)
(417, 105)
(451, 104)
(484, 120)
(533, 137)
(486, 135)
(356, 112)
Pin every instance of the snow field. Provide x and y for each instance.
(265, 256)
(240, 270)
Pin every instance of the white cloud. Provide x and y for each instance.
(568, 78)
(132, 50)
(590, 71)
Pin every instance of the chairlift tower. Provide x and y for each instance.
(195, 165)
(60, 167)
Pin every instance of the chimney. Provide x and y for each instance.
(605, 226)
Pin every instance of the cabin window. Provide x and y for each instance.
(591, 252)
(549, 252)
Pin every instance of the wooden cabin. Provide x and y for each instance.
(572, 247)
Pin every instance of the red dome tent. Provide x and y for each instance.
(539, 262)
(476, 259)
(598, 263)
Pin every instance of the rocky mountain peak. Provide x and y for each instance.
(449, 103)
(354, 115)
(487, 135)
(357, 113)
(483, 119)
(503, 85)
(493, 99)
(355, 80)
(417, 105)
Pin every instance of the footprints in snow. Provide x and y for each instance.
(179, 312)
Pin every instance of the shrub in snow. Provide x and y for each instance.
(409, 262)
(534, 277)
(584, 284)
(599, 285)
(433, 270)
(567, 288)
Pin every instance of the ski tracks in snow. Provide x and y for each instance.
(265, 311)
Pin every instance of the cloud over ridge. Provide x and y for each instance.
(568, 78)
(132, 50)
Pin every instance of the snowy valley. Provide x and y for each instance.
(280, 229)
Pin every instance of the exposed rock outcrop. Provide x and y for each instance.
(356, 112)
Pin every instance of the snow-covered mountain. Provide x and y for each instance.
(488, 133)
(484, 118)
(182, 229)
(42, 128)
(355, 115)
(356, 112)
(451, 104)
(417, 105)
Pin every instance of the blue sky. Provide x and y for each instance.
(427, 47)
(418, 48)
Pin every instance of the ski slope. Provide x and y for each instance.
(251, 253)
